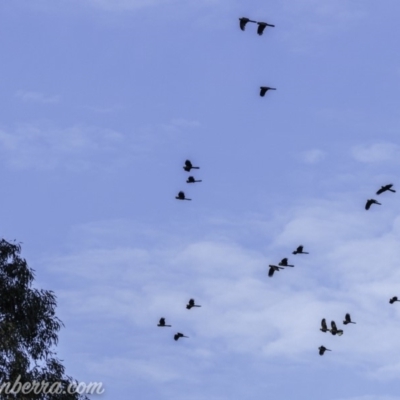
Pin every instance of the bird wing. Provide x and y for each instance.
(347, 317)
(191, 302)
(381, 190)
(300, 249)
(243, 22)
(368, 204)
(263, 90)
(284, 261)
(333, 325)
(323, 324)
(271, 271)
(162, 321)
(261, 27)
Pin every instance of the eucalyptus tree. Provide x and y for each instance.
(29, 366)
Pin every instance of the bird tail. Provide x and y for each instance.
(392, 190)
(188, 199)
(199, 181)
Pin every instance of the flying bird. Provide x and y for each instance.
(262, 26)
(385, 188)
(179, 335)
(284, 263)
(191, 304)
(243, 22)
(299, 250)
(181, 196)
(370, 202)
(324, 327)
(335, 330)
(272, 269)
(264, 89)
(347, 320)
(191, 180)
(393, 299)
(162, 323)
(322, 350)
(188, 166)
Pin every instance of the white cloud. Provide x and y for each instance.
(180, 124)
(331, 11)
(127, 4)
(350, 268)
(313, 156)
(371, 397)
(33, 146)
(160, 371)
(377, 152)
(81, 147)
(36, 97)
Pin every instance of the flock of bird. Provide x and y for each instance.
(178, 335)
(187, 167)
(347, 320)
(300, 249)
(380, 191)
(260, 30)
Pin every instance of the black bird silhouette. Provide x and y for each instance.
(191, 180)
(262, 26)
(324, 327)
(335, 330)
(191, 304)
(370, 202)
(284, 263)
(264, 89)
(188, 166)
(179, 335)
(272, 269)
(243, 22)
(393, 299)
(347, 319)
(385, 188)
(181, 196)
(162, 322)
(299, 250)
(322, 350)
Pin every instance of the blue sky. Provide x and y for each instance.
(102, 102)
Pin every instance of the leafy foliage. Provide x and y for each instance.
(28, 330)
